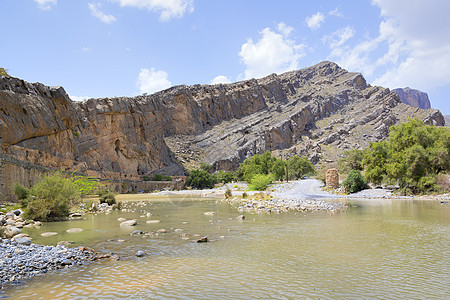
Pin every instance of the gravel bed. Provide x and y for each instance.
(18, 262)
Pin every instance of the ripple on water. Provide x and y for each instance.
(351, 255)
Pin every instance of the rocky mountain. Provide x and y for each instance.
(447, 120)
(319, 111)
(413, 97)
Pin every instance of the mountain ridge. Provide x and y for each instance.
(318, 111)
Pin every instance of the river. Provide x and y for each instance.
(383, 249)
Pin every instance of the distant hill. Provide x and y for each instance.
(413, 97)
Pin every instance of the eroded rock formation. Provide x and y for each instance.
(318, 111)
(413, 97)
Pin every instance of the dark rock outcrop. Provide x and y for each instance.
(413, 97)
(318, 111)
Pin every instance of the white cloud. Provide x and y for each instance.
(45, 4)
(339, 37)
(150, 81)
(86, 49)
(168, 9)
(273, 53)
(412, 47)
(220, 79)
(95, 11)
(336, 12)
(77, 98)
(418, 43)
(315, 21)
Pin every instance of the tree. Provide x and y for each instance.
(224, 177)
(257, 164)
(412, 157)
(299, 167)
(260, 182)
(201, 179)
(355, 182)
(352, 160)
(279, 169)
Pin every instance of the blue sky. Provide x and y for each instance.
(111, 48)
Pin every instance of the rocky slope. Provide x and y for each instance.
(413, 97)
(318, 111)
(447, 120)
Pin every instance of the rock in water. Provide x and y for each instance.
(129, 223)
(47, 234)
(203, 240)
(74, 230)
(140, 253)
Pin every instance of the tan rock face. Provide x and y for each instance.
(332, 179)
(317, 111)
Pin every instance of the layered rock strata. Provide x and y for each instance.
(318, 111)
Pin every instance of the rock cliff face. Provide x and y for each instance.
(318, 111)
(447, 120)
(413, 97)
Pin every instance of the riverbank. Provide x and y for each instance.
(23, 261)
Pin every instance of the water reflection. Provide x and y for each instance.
(391, 249)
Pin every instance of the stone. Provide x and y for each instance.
(137, 232)
(47, 234)
(152, 221)
(129, 223)
(23, 241)
(240, 217)
(202, 240)
(74, 230)
(121, 219)
(11, 231)
(332, 179)
(209, 213)
(140, 253)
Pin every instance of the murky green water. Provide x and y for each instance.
(383, 250)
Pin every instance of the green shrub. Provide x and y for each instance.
(167, 178)
(201, 179)
(224, 177)
(146, 178)
(244, 195)
(21, 191)
(259, 182)
(228, 193)
(205, 166)
(157, 177)
(108, 198)
(50, 198)
(355, 182)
